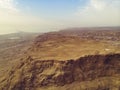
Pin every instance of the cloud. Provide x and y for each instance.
(8, 11)
(93, 13)
(12, 18)
(100, 12)
(9, 5)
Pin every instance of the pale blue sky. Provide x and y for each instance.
(50, 15)
(51, 8)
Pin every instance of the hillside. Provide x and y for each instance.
(62, 46)
(72, 59)
(12, 47)
(99, 72)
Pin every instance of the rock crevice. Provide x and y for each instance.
(31, 73)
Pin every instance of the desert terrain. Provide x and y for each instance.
(69, 59)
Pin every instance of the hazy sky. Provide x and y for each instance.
(49, 15)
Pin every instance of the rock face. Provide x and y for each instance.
(33, 74)
(67, 61)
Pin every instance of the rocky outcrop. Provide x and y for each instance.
(31, 74)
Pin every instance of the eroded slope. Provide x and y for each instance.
(58, 61)
(95, 70)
